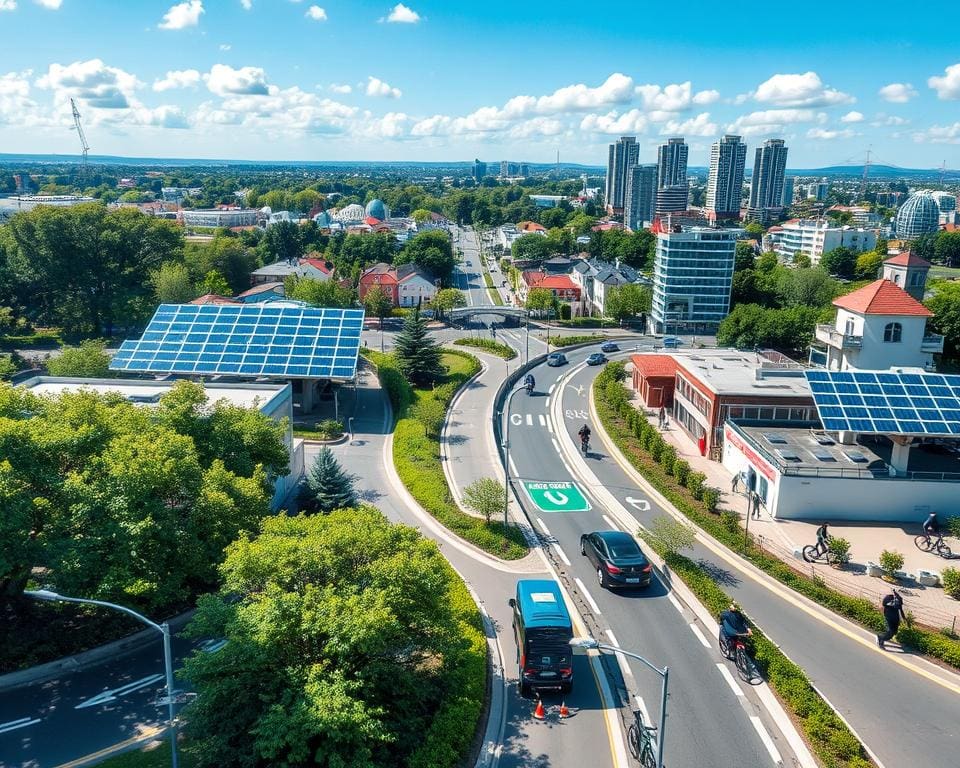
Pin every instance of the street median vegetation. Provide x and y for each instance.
(488, 345)
(569, 341)
(650, 455)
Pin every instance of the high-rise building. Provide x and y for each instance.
(672, 199)
(725, 181)
(624, 153)
(787, 199)
(504, 168)
(692, 276)
(524, 169)
(672, 163)
(640, 198)
(919, 215)
(479, 170)
(766, 186)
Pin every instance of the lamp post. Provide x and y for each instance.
(163, 629)
(588, 643)
(506, 454)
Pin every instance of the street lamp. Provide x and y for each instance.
(506, 454)
(589, 644)
(163, 629)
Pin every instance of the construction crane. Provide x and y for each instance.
(79, 129)
(863, 181)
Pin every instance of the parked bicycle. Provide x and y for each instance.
(640, 739)
(926, 542)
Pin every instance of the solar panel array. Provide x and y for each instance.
(246, 340)
(885, 402)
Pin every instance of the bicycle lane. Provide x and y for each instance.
(905, 709)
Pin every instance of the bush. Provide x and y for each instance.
(710, 498)
(951, 582)
(681, 470)
(891, 561)
(840, 548)
(672, 535)
(48, 340)
(569, 341)
(394, 383)
(730, 520)
(565, 311)
(502, 350)
(695, 481)
(667, 458)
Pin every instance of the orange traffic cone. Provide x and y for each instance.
(564, 712)
(538, 712)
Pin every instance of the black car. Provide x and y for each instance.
(596, 359)
(556, 359)
(618, 559)
(609, 346)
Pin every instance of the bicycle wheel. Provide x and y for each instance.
(744, 666)
(923, 543)
(633, 740)
(648, 759)
(810, 553)
(724, 645)
(944, 551)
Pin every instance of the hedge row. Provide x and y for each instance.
(489, 345)
(829, 736)
(30, 340)
(624, 423)
(392, 380)
(494, 293)
(567, 341)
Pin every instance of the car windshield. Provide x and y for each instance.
(625, 549)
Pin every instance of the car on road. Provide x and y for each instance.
(597, 358)
(556, 359)
(609, 346)
(617, 558)
(542, 629)
(671, 342)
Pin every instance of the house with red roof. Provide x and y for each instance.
(561, 286)
(383, 275)
(407, 285)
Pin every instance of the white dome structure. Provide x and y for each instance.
(378, 209)
(918, 216)
(352, 213)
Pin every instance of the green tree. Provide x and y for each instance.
(946, 249)
(227, 255)
(418, 355)
(432, 251)
(754, 228)
(749, 326)
(422, 216)
(320, 293)
(448, 298)
(629, 300)
(327, 486)
(945, 305)
(377, 303)
(172, 284)
(485, 497)
(810, 287)
(841, 262)
(530, 247)
(746, 256)
(283, 241)
(215, 283)
(540, 300)
(89, 361)
(868, 265)
(8, 367)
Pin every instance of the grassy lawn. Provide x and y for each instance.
(154, 755)
(945, 273)
(488, 345)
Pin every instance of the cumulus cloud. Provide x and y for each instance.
(182, 78)
(852, 117)
(377, 87)
(50, 5)
(827, 134)
(316, 13)
(632, 121)
(183, 15)
(947, 86)
(224, 80)
(288, 111)
(773, 121)
(247, 4)
(8, 5)
(703, 98)
(939, 134)
(99, 85)
(536, 127)
(341, 88)
(799, 90)
(676, 97)
(898, 93)
(700, 125)
(401, 14)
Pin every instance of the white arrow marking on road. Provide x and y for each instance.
(556, 497)
(642, 504)
(578, 389)
(212, 646)
(23, 722)
(105, 697)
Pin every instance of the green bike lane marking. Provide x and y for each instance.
(556, 496)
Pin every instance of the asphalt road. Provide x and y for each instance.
(894, 703)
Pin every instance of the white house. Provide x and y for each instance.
(414, 286)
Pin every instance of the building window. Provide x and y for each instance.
(896, 279)
(892, 332)
(848, 331)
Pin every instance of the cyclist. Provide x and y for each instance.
(733, 624)
(529, 382)
(931, 526)
(584, 434)
(823, 539)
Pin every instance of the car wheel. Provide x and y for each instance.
(601, 577)
(583, 549)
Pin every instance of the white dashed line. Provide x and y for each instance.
(610, 522)
(542, 420)
(552, 387)
(556, 444)
(513, 468)
(529, 419)
(13, 725)
(544, 527)
(547, 403)
(613, 638)
(676, 603)
(765, 738)
(587, 596)
(729, 678)
(700, 637)
(561, 553)
(550, 427)
(621, 659)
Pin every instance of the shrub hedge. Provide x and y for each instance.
(637, 443)
(567, 341)
(488, 345)
(392, 380)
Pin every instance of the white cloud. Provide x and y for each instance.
(225, 46)
(632, 121)
(773, 121)
(695, 126)
(948, 86)
(898, 93)
(14, 84)
(183, 15)
(676, 97)
(182, 78)
(536, 127)
(316, 13)
(616, 89)
(377, 87)
(8, 5)
(703, 98)
(282, 112)
(896, 120)
(796, 90)
(939, 134)
(852, 117)
(224, 80)
(341, 88)
(827, 134)
(93, 81)
(401, 14)
(247, 4)
(50, 5)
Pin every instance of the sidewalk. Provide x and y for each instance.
(782, 538)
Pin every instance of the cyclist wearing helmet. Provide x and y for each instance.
(733, 624)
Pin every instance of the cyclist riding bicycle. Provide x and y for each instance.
(733, 624)
(529, 382)
(584, 434)
(931, 526)
(823, 539)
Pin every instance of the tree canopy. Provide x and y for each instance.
(418, 355)
(750, 325)
(432, 251)
(840, 262)
(89, 360)
(320, 293)
(629, 300)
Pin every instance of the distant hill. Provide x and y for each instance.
(876, 171)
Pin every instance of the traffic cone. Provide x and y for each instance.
(564, 712)
(538, 712)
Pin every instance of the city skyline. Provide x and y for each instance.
(282, 80)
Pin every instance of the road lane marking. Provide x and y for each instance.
(730, 681)
(613, 638)
(13, 725)
(104, 697)
(563, 555)
(543, 421)
(513, 468)
(587, 596)
(212, 646)
(556, 444)
(700, 637)
(642, 706)
(767, 741)
(621, 659)
(529, 419)
(552, 387)
(550, 427)
(610, 522)
(676, 603)
(543, 525)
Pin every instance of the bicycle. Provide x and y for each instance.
(740, 655)
(925, 543)
(640, 740)
(585, 445)
(813, 554)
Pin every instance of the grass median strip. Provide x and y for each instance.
(488, 345)
(568, 341)
(494, 293)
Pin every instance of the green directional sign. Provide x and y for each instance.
(557, 497)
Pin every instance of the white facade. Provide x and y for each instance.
(238, 217)
(414, 289)
(815, 237)
(881, 344)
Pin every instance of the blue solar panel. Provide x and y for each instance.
(883, 402)
(251, 340)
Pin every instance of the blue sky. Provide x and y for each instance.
(453, 80)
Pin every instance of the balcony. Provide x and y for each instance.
(833, 338)
(932, 343)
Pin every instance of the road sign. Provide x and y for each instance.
(557, 497)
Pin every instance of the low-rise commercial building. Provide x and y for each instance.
(815, 237)
(220, 217)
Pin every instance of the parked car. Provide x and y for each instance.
(597, 358)
(671, 342)
(617, 558)
(609, 346)
(556, 359)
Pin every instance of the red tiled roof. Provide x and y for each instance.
(552, 282)
(882, 297)
(907, 259)
(372, 221)
(212, 298)
(531, 226)
(652, 366)
(262, 288)
(322, 264)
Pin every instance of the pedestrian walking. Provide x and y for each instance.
(756, 505)
(735, 484)
(892, 606)
(661, 417)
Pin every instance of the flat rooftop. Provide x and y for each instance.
(143, 392)
(735, 372)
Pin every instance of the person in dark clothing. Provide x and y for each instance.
(732, 624)
(931, 526)
(823, 539)
(892, 606)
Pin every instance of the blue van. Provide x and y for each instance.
(542, 629)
